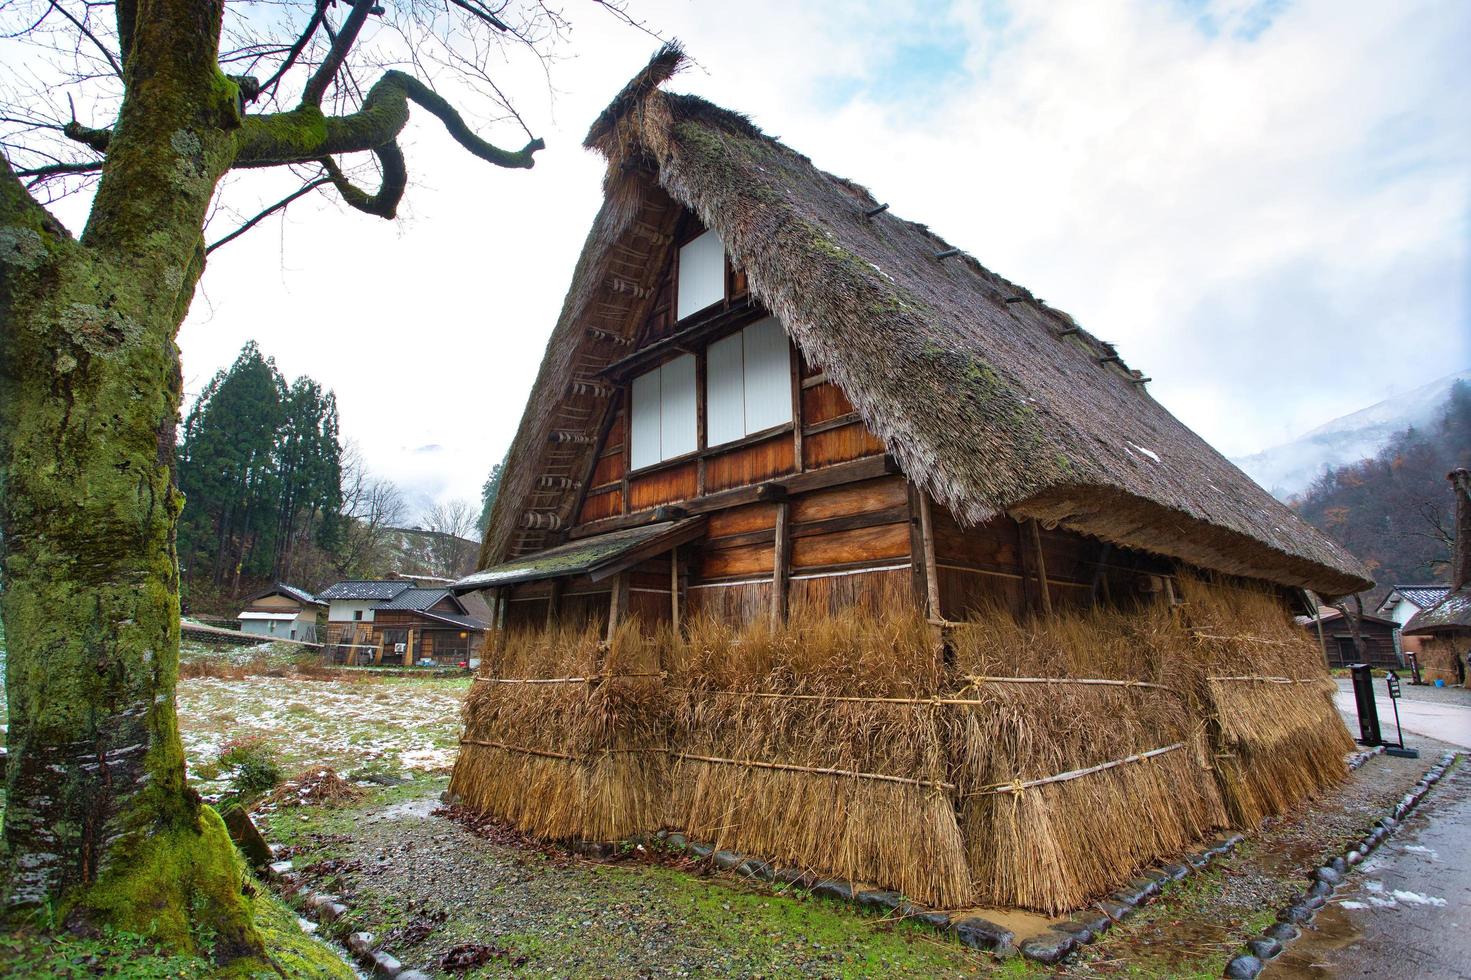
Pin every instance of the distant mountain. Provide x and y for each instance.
(1286, 470)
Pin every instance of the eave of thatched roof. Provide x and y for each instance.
(990, 401)
(596, 557)
(1451, 614)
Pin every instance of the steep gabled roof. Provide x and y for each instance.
(991, 401)
(290, 591)
(1423, 596)
(1451, 614)
(418, 600)
(361, 590)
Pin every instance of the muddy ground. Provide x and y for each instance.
(427, 884)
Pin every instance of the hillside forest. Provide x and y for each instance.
(1394, 511)
(273, 494)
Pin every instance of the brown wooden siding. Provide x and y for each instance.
(605, 503)
(740, 520)
(864, 544)
(824, 402)
(663, 487)
(750, 464)
(839, 445)
(609, 469)
(737, 562)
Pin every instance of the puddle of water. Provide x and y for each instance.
(1331, 930)
(1024, 924)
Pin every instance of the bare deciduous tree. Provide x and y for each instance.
(452, 547)
(180, 99)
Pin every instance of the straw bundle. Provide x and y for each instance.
(1059, 842)
(583, 757)
(1278, 735)
(803, 699)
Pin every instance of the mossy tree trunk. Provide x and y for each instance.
(100, 826)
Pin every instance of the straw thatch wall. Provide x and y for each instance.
(1037, 764)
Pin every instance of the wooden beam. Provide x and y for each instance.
(780, 567)
(927, 542)
(1041, 567)
(867, 468)
(737, 315)
(409, 649)
(674, 588)
(794, 357)
(617, 603)
(554, 602)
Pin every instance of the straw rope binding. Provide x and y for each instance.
(1019, 785)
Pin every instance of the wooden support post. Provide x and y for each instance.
(554, 602)
(1024, 565)
(617, 603)
(409, 649)
(779, 572)
(674, 588)
(931, 569)
(797, 421)
(1041, 562)
(1100, 574)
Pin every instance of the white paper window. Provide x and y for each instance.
(701, 275)
(725, 391)
(662, 415)
(748, 382)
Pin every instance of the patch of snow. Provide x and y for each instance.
(1140, 449)
(307, 925)
(1422, 849)
(1353, 905)
(1415, 898)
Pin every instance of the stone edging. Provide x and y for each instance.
(977, 932)
(1359, 758)
(1325, 879)
(328, 910)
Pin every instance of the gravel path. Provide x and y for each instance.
(1204, 921)
(426, 884)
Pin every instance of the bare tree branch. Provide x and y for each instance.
(303, 135)
(318, 14)
(342, 43)
(280, 205)
(383, 204)
(87, 33)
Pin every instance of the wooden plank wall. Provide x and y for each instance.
(838, 535)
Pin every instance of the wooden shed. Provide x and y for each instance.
(822, 513)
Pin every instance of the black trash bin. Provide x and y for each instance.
(1363, 676)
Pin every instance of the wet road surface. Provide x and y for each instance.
(1406, 912)
(1433, 719)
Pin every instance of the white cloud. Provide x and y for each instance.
(1269, 220)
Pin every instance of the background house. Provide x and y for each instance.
(283, 611)
(1401, 605)
(1380, 636)
(395, 621)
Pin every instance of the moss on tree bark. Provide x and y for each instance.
(101, 828)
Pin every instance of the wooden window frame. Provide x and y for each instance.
(703, 450)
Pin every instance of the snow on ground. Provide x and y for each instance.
(384, 722)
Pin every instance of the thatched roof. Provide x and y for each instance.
(990, 401)
(1450, 615)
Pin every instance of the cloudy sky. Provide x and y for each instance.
(1263, 203)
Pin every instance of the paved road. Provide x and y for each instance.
(1434, 719)
(1406, 913)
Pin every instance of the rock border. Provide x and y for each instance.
(328, 910)
(1061, 938)
(1324, 880)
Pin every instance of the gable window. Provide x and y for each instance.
(748, 382)
(701, 275)
(663, 413)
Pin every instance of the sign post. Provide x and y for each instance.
(1391, 683)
